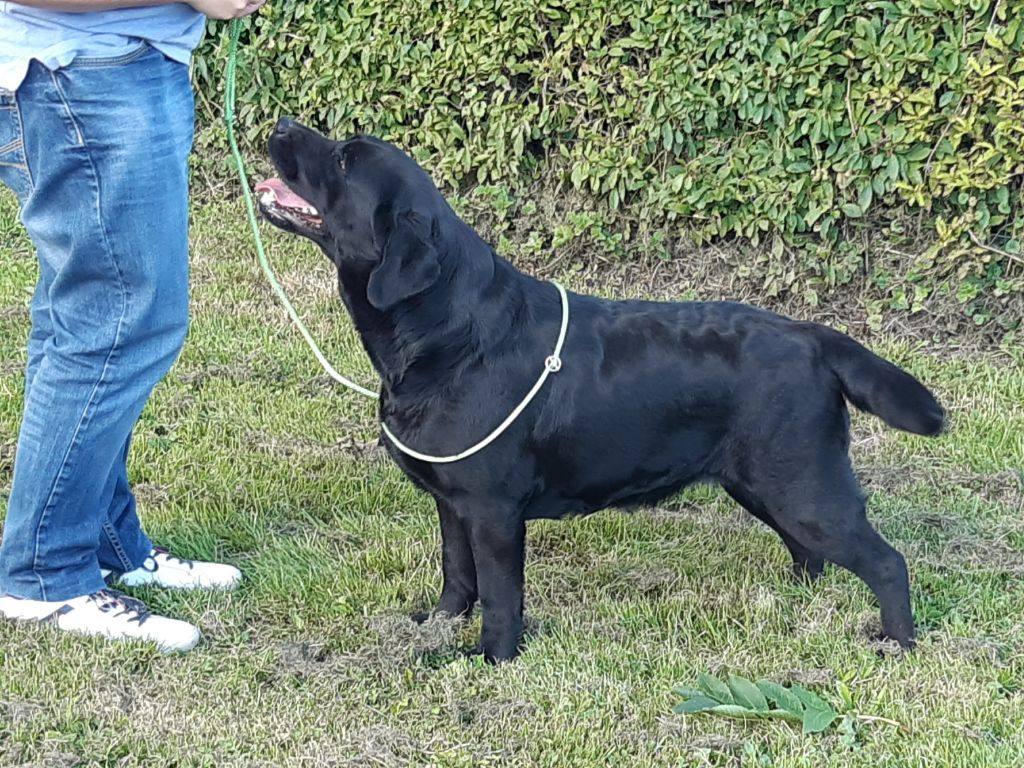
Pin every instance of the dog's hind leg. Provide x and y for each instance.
(856, 546)
(459, 593)
(826, 515)
(806, 565)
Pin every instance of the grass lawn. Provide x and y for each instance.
(248, 453)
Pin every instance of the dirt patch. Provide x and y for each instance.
(123, 691)
(377, 746)
(293, 529)
(492, 713)
(810, 676)
(561, 591)
(977, 651)
(550, 546)
(645, 582)
(314, 662)
(885, 647)
(11, 368)
(971, 553)
(936, 521)
(399, 642)
(679, 728)
(151, 494)
(1006, 487)
(709, 749)
(380, 746)
(51, 756)
(15, 313)
(301, 659)
(401, 639)
(561, 573)
(17, 713)
(179, 406)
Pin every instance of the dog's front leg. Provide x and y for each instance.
(498, 538)
(458, 595)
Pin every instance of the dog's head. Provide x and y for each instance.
(368, 205)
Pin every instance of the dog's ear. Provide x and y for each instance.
(408, 264)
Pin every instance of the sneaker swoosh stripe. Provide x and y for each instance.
(54, 617)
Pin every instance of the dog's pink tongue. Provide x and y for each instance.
(284, 196)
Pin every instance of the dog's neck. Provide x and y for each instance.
(421, 345)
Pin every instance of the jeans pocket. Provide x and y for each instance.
(100, 62)
(13, 166)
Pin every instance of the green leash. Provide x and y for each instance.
(229, 121)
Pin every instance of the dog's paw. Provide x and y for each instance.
(496, 658)
(807, 571)
(889, 647)
(421, 617)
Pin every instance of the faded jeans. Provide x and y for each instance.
(97, 155)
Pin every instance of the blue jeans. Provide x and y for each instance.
(97, 153)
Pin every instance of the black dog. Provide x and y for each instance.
(652, 397)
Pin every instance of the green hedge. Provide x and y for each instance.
(753, 118)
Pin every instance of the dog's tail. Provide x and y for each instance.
(879, 387)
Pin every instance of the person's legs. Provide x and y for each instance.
(106, 146)
(117, 497)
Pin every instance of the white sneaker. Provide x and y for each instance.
(162, 569)
(106, 613)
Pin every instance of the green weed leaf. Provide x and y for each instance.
(782, 697)
(715, 688)
(817, 720)
(741, 699)
(746, 694)
(694, 705)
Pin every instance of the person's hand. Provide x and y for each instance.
(227, 9)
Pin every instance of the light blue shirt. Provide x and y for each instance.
(56, 38)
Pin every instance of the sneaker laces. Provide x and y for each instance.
(108, 600)
(166, 553)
